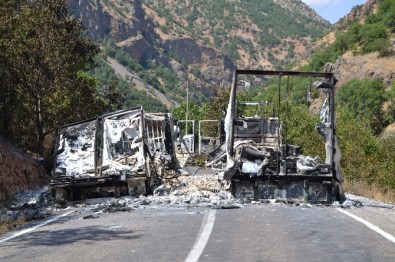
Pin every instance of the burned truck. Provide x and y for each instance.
(258, 161)
(122, 152)
(130, 151)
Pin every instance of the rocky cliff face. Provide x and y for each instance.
(203, 35)
(360, 12)
(370, 66)
(18, 171)
(95, 18)
(294, 6)
(131, 29)
(135, 32)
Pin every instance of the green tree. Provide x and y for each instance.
(194, 111)
(354, 34)
(387, 13)
(301, 131)
(386, 156)
(364, 98)
(374, 37)
(390, 111)
(358, 146)
(217, 102)
(8, 80)
(45, 52)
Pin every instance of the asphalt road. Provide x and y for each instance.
(253, 233)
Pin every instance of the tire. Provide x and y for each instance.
(339, 193)
(117, 191)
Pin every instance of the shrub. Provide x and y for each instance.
(364, 98)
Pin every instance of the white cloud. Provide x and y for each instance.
(320, 2)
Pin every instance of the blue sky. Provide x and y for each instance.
(333, 10)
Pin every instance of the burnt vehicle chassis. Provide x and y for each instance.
(121, 153)
(259, 162)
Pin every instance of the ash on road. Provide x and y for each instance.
(167, 226)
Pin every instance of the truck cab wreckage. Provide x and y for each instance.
(131, 152)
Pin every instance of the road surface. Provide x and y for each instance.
(267, 232)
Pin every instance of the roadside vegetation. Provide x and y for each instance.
(52, 75)
(364, 108)
(43, 59)
(371, 36)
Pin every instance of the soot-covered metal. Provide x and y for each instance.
(257, 158)
(131, 152)
(124, 152)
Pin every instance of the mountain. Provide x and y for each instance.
(360, 50)
(355, 60)
(200, 41)
(358, 13)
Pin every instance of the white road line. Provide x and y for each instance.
(28, 230)
(201, 241)
(369, 225)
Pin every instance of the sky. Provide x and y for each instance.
(333, 10)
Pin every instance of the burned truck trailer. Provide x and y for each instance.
(259, 162)
(117, 152)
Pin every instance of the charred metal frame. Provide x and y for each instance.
(329, 76)
(216, 138)
(155, 134)
(332, 177)
(185, 142)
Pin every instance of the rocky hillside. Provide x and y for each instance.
(348, 67)
(253, 33)
(204, 40)
(359, 13)
(350, 61)
(361, 47)
(18, 171)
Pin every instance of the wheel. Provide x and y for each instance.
(60, 195)
(117, 191)
(339, 193)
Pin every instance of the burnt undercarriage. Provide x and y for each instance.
(263, 174)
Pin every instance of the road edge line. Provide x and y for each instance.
(201, 240)
(28, 230)
(369, 225)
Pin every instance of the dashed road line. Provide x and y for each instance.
(369, 225)
(28, 230)
(201, 241)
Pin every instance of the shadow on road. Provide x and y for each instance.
(86, 235)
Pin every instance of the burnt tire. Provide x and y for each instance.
(60, 195)
(76, 194)
(117, 191)
(339, 193)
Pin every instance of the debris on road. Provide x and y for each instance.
(26, 206)
(354, 201)
(199, 191)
